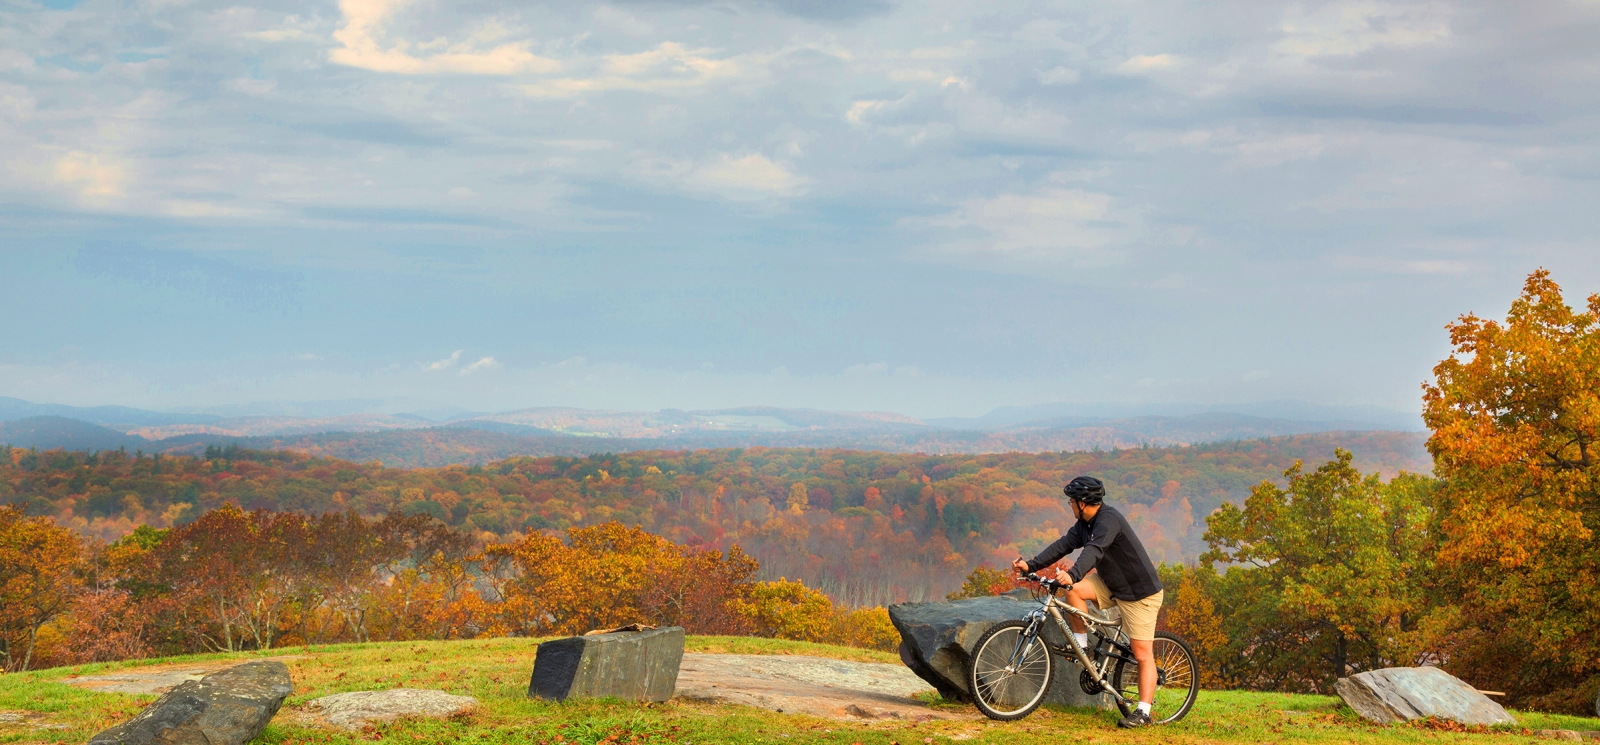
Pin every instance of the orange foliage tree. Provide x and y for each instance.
(1515, 414)
(39, 578)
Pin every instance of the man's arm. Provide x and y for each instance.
(1093, 548)
(1064, 545)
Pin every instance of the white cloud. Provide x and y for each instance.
(668, 67)
(482, 364)
(1058, 76)
(1348, 28)
(751, 177)
(91, 176)
(1052, 224)
(860, 109)
(447, 362)
(1146, 63)
(365, 45)
(871, 368)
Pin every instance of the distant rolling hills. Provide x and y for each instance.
(480, 441)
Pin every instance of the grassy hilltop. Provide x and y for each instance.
(496, 672)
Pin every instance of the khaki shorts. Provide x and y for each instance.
(1138, 616)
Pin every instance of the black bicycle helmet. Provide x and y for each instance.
(1085, 489)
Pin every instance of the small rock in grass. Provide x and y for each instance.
(357, 709)
(229, 707)
(1559, 734)
(1401, 694)
(630, 665)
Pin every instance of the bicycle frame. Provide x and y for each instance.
(1053, 607)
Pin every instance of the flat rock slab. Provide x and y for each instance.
(154, 679)
(1401, 694)
(834, 689)
(230, 707)
(629, 665)
(357, 709)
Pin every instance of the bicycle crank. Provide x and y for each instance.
(1089, 684)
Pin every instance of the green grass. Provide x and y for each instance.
(496, 672)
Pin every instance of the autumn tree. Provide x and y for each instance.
(610, 575)
(235, 574)
(1327, 577)
(787, 609)
(352, 558)
(1191, 613)
(1515, 414)
(701, 592)
(799, 498)
(39, 577)
(983, 581)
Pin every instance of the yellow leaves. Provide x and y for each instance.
(1515, 414)
(38, 580)
(983, 581)
(1191, 614)
(799, 498)
(787, 610)
(610, 575)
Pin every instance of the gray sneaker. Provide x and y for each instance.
(1136, 719)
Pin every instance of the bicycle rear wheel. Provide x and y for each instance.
(1177, 679)
(1010, 671)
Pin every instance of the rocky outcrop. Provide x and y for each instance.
(834, 689)
(937, 641)
(230, 707)
(1400, 694)
(357, 709)
(631, 665)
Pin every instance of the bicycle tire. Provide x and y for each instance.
(1178, 681)
(1001, 691)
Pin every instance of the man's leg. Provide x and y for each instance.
(1079, 598)
(1139, 623)
(1145, 653)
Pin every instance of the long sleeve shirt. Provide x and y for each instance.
(1109, 546)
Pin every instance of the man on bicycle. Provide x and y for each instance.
(1122, 576)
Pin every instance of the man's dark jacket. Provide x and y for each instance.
(1110, 546)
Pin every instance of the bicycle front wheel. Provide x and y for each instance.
(1010, 671)
(1177, 679)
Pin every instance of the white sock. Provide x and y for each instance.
(1144, 707)
(1083, 639)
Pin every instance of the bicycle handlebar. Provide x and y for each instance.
(1050, 585)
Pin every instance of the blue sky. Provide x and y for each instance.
(933, 208)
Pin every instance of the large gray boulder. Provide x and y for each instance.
(631, 665)
(1401, 694)
(228, 707)
(357, 709)
(937, 641)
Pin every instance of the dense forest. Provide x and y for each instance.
(867, 527)
(232, 580)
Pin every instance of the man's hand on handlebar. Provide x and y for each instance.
(1061, 578)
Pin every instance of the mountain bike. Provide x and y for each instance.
(1011, 668)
